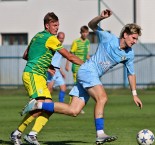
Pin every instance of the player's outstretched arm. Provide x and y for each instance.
(71, 57)
(104, 14)
(132, 82)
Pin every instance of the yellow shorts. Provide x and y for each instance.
(36, 85)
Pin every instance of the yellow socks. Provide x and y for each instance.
(40, 122)
(26, 121)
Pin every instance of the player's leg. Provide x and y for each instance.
(88, 77)
(99, 95)
(16, 135)
(73, 109)
(62, 93)
(40, 122)
(50, 86)
(50, 82)
(59, 81)
(75, 81)
(42, 119)
(79, 100)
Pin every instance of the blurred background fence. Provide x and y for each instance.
(12, 65)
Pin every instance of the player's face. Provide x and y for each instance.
(52, 27)
(84, 34)
(130, 39)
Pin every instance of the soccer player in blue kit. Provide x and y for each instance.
(110, 52)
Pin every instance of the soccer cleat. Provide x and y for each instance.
(105, 138)
(31, 139)
(16, 139)
(30, 106)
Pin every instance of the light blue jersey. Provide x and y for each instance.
(56, 60)
(107, 55)
(57, 78)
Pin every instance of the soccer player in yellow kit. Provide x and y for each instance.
(38, 55)
(80, 47)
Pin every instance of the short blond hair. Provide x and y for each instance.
(131, 29)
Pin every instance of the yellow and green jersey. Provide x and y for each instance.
(41, 49)
(79, 48)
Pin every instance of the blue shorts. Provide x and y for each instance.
(57, 78)
(87, 77)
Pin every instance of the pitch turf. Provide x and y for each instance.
(123, 119)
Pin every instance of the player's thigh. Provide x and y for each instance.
(97, 92)
(36, 85)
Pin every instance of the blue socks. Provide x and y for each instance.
(48, 106)
(61, 96)
(99, 124)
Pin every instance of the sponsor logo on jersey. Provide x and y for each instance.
(123, 58)
(105, 65)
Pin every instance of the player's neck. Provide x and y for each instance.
(122, 44)
(83, 39)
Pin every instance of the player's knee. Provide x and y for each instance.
(102, 99)
(74, 112)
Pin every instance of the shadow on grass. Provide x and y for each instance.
(2, 142)
(69, 142)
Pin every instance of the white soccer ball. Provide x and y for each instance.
(145, 137)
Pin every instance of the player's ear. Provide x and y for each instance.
(125, 35)
(47, 26)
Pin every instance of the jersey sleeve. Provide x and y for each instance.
(130, 66)
(73, 47)
(103, 36)
(53, 43)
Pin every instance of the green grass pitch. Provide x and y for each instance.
(122, 118)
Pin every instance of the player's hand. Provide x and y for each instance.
(51, 70)
(106, 13)
(138, 102)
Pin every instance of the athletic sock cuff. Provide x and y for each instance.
(48, 106)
